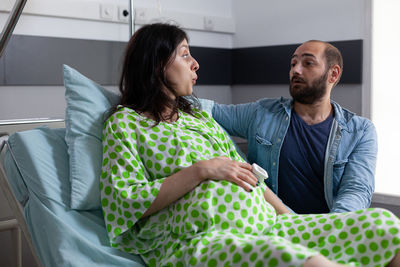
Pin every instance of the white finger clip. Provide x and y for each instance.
(259, 172)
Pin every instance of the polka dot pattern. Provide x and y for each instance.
(217, 223)
(353, 237)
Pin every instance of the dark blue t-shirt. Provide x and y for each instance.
(301, 165)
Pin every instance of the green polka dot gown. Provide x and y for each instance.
(218, 223)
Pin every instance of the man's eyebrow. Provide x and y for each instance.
(304, 55)
(308, 55)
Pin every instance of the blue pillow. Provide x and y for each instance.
(87, 105)
(33, 162)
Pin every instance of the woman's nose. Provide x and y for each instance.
(195, 65)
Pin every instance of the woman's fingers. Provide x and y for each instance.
(243, 178)
(237, 172)
(246, 186)
(249, 177)
(245, 165)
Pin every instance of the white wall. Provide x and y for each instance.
(261, 23)
(18, 102)
(89, 27)
(386, 93)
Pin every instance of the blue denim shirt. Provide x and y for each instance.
(350, 156)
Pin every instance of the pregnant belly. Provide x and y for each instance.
(222, 206)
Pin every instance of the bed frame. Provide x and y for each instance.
(14, 225)
(18, 224)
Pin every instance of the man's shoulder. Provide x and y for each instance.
(274, 104)
(350, 120)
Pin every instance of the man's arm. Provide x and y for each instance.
(235, 119)
(358, 180)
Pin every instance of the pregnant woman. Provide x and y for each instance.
(175, 190)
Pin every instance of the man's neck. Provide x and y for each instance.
(314, 113)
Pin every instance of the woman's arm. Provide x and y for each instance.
(184, 181)
(174, 187)
(271, 198)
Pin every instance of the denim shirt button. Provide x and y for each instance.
(274, 163)
(278, 140)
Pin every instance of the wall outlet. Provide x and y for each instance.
(209, 23)
(123, 13)
(141, 15)
(106, 11)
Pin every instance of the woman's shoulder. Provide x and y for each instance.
(205, 117)
(123, 113)
(201, 114)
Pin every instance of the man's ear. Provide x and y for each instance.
(335, 74)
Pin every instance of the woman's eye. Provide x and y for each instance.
(185, 55)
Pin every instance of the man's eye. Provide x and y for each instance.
(292, 64)
(309, 63)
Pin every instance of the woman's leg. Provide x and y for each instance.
(238, 250)
(319, 260)
(368, 237)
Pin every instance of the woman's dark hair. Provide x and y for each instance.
(143, 78)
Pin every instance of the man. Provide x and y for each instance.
(320, 156)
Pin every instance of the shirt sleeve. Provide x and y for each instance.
(126, 191)
(358, 180)
(235, 119)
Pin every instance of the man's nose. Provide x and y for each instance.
(296, 69)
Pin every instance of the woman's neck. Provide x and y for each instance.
(165, 115)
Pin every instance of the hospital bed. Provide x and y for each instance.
(50, 178)
(35, 176)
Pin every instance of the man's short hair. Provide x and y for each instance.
(332, 57)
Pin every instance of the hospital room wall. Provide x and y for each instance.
(262, 23)
(21, 101)
(43, 101)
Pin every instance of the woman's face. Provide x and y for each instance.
(181, 73)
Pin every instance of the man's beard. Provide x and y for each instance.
(309, 94)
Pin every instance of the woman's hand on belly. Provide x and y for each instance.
(223, 168)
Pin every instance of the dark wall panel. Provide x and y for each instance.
(215, 65)
(261, 65)
(271, 64)
(32, 60)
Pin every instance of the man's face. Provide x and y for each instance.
(308, 73)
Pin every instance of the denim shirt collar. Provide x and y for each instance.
(342, 115)
(287, 104)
